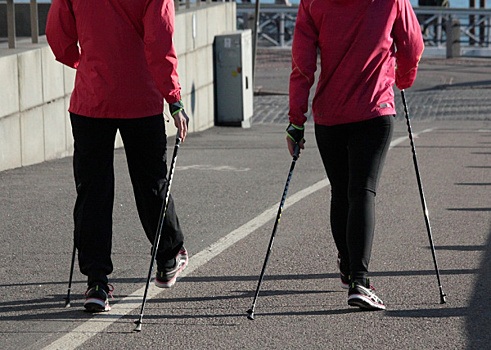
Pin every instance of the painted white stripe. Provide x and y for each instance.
(210, 167)
(98, 323)
(101, 321)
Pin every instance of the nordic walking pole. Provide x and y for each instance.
(67, 298)
(423, 201)
(277, 221)
(160, 226)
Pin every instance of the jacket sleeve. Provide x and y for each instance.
(158, 25)
(304, 64)
(61, 33)
(409, 44)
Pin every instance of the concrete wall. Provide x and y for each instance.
(35, 89)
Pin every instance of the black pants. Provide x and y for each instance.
(145, 146)
(353, 155)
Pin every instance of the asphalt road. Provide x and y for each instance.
(227, 188)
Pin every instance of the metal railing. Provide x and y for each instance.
(187, 4)
(11, 22)
(277, 24)
(178, 4)
(475, 25)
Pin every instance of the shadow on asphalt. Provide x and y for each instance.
(473, 183)
(485, 84)
(239, 294)
(54, 304)
(443, 312)
(477, 314)
(478, 320)
(191, 279)
(469, 209)
(461, 248)
(257, 314)
(57, 301)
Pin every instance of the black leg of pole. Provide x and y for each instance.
(423, 200)
(277, 221)
(67, 298)
(158, 234)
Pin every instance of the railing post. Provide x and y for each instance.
(282, 29)
(472, 23)
(453, 37)
(254, 39)
(482, 26)
(488, 20)
(11, 23)
(439, 30)
(34, 22)
(176, 5)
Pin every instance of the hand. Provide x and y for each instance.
(294, 136)
(181, 121)
(291, 145)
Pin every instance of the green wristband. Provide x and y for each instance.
(176, 107)
(295, 132)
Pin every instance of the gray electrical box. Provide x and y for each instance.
(233, 78)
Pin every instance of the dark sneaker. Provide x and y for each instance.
(97, 298)
(343, 277)
(364, 297)
(167, 276)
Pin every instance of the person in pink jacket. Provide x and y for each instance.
(126, 67)
(365, 47)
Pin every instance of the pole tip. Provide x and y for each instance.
(138, 327)
(443, 299)
(250, 315)
(67, 302)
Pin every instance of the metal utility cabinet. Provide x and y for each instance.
(233, 78)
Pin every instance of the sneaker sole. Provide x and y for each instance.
(173, 280)
(96, 305)
(364, 302)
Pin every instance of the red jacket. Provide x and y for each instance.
(123, 52)
(357, 40)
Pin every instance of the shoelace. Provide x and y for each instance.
(373, 296)
(110, 292)
(369, 287)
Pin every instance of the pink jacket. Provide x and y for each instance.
(123, 52)
(357, 40)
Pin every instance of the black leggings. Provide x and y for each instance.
(353, 155)
(145, 147)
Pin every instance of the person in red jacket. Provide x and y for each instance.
(126, 66)
(365, 47)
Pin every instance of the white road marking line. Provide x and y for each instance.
(95, 325)
(211, 167)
